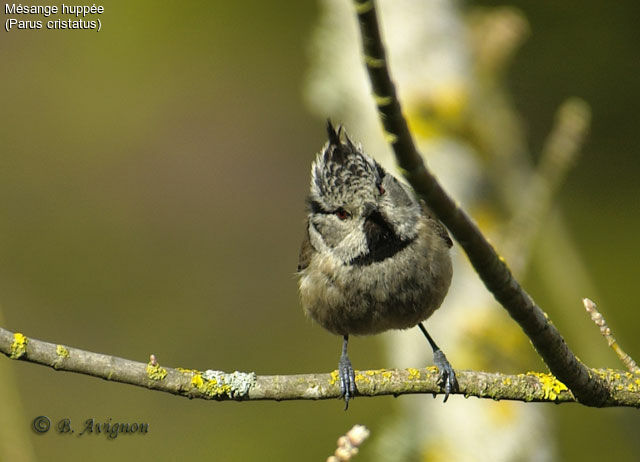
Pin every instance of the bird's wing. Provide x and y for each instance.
(439, 227)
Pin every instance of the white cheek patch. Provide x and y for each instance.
(316, 240)
(352, 246)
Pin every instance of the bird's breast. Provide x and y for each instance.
(394, 293)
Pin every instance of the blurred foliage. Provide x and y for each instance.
(152, 179)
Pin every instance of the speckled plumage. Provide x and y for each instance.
(342, 289)
(373, 258)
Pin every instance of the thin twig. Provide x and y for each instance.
(598, 319)
(559, 154)
(491, 268)
(348, 444)
(623, 388)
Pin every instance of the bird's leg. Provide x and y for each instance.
(347, 375)
(447, 378)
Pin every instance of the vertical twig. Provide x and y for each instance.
(598, 319)
(560, 151)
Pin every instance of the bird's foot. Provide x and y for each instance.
(347, 380)
(447, 377)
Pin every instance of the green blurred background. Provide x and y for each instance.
(152, 180)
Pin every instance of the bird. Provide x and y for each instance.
(373, 257)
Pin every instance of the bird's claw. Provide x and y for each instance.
(447, 377)
(347, 380)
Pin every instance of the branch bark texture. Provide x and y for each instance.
(623, 388)
(492, 269)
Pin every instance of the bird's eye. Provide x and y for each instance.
(342, 213)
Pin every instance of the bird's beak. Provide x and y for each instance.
(369, 208)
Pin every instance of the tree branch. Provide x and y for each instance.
(598, 319)
(491, 268)
(623, 388)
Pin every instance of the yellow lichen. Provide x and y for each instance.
(210, 387)
(382, 100)
(506, 381)
(386, 375)
(196, 381)
(61, 351)
(389, 137)
(361, 378)
(373, 62)
(414, 374)
(551, 387)
(219, 390)
(19, 345)
(334, 378)
(187, 371)
(155, 372)
(364, 7)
